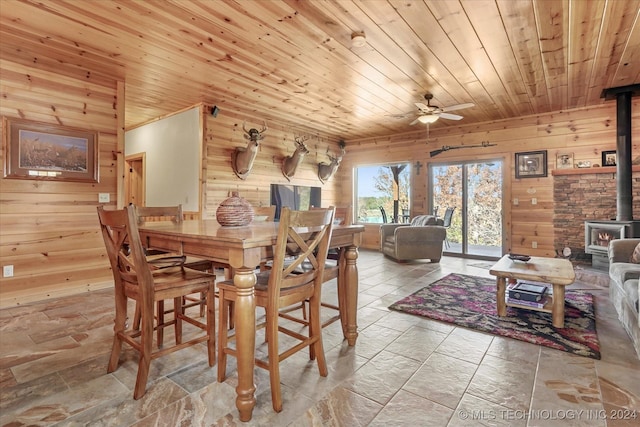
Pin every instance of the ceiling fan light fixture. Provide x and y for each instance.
(428, 119)
(358, 39)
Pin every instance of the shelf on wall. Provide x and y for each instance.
(581, 171)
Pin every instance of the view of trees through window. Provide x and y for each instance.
(474, 189)
(382, 186)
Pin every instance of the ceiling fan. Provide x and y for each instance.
(428, 114)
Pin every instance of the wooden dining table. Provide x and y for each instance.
(244, 248)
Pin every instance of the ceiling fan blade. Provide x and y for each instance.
(458, 107)
(422, 107)
(450, 116)
(414, 122)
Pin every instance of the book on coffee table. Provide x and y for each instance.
(532, 304)
(527, 291)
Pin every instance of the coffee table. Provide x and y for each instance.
(556, 271)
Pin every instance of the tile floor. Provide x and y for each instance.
(403, 371)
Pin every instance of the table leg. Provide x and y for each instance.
(351, 294)
(501, 283)
(342, 299)
(557, 310)
(245, 324)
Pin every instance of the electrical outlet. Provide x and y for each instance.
(534, 244)
(104, 198)
(516, 202)
(534, 201)
(7, 271)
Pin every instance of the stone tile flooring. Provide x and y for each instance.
(403, 371)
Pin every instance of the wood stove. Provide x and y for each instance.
(598, 234)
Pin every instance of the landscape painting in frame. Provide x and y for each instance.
(42, 151)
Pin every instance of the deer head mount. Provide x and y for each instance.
(242, 158)
(326, 171)
(290, 163)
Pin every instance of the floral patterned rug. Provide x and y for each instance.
(470, 302)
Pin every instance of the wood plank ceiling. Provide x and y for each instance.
(292, 61)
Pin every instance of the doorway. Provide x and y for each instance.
(474, 189)
(134, 179)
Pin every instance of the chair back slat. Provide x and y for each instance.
(342, 215)
(158, 213)
(264, 213)
(304, 235)
(125, 251)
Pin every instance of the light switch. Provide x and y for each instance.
(104, 197)
(516, 201)
(534, 201)
(7, 271)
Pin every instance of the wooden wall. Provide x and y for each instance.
(584, 132)
(49, 229)
(224, 133)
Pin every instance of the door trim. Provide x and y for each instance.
(128, 161)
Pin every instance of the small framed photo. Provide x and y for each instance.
(531, 164)
(564, 161)
(49, 152)
(609, 158)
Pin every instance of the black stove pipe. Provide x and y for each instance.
(624, 199)
(624, 191)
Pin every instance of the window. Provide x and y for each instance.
(382, 191)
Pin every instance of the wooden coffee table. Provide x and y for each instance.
(555, 271)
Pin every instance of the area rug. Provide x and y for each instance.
(470, 302)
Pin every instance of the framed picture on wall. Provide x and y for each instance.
(564, 161)
(531, 164)
(49, 152)
(609, 158)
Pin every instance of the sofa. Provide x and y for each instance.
(624, 287)
(421, 239)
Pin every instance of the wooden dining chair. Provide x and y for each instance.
(331, 270)
(135, 278)
(264, 213)
(163, 259)
(303, 236)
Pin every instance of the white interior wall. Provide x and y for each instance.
(172, 147)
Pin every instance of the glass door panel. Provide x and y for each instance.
(474, 190)
(484, 209)
(447, 193)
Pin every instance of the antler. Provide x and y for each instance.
(299, 140)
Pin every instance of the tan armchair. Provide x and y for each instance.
(422, 239)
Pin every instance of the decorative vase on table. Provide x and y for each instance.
(234, 211)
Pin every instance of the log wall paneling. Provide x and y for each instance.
(49, 229)
(224, 133)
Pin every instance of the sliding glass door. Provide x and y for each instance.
(474, 191)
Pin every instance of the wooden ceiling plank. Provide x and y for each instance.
(318, 14)
(453, 20)
(520, 26)
(489, 27)
(334, 86)
(628, 69)
(420, 60)
(619, 18)
(584, 22)
(323, 70)
(552, 20)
